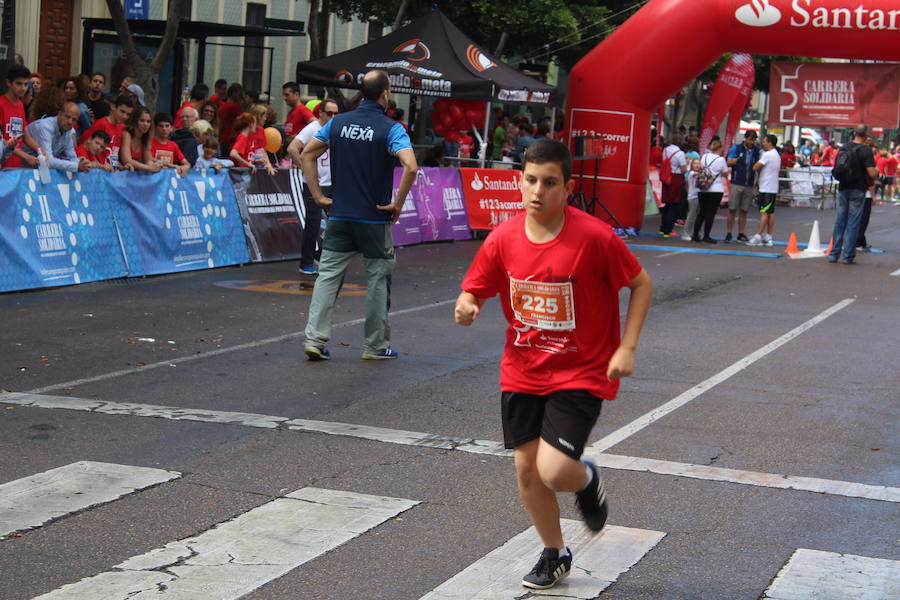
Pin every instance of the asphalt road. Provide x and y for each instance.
(822, 404)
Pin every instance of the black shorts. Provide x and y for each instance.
(766, 203)
(564, 419)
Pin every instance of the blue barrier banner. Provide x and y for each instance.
(59, 233)
(169, 223)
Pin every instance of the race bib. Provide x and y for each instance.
(166, 157)
(543, 305)
(14, 127)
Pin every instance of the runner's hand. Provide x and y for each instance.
(621, 364)
(324, 202)
(467, 309)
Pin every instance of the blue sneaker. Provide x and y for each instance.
(316, 353)
(385, 354)
(309, 270)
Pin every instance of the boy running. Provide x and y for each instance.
(558, 272)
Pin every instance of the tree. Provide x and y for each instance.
(534, 29)
(146, 73)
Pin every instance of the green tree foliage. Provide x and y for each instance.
(536, 29)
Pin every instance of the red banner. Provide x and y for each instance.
(492, 196)
(615, 133)
(733, 79)
(834, 94)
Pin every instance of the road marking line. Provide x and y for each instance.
(815, 575)
(597, 561)
(447, 442)
(680, 400)
(896, 273)
(664, 254)
(237, 556)
(33, 501)
(246, 346)
(707, 251)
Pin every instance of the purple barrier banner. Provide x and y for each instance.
(434, 210)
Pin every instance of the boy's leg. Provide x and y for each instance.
(539, 500)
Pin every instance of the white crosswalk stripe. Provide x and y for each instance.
(238, 556)
(32, 501)
(815, 575)
(597, 561)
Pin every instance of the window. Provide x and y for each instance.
(253, 52)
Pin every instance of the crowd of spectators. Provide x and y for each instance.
(78, 124)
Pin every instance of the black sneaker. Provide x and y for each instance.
(591, 501)
(742, 238)
(728, 238)
(549, 569)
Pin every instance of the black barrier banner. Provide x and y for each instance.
(272, 212)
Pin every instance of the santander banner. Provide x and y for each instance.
(727, 95)
(877, 15)
(836, 94)
(492, 196)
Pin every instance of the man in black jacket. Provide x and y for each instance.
(184, 138)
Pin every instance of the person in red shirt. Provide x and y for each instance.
(221, 89)
(94, 150)
(163, 150)
(788, 156)
(299, 116)
(558, 271)
(134, 155)
(12, 115)
(249, 149)
(887, 169)
(113, 125)
(198, 97)
(229, 111)
(829, 154)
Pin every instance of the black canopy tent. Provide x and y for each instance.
(429, 57)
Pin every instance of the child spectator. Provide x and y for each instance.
(163, 150)
(12, 117)
(249, 149)
(693, 198)
(135, 152)
(94, 150)
(208, 157)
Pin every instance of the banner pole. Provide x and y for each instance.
(487, 123)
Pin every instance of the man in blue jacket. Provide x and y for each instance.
(363, 144)
(741, 159)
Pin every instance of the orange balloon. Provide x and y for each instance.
(273, 140)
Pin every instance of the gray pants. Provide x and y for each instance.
(343, 241)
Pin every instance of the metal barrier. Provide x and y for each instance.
(807, 187)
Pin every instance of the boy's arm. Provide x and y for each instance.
(468, 306)
(622, 362)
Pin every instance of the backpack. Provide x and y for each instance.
(845, 170)
(705, 178)
(665, 171)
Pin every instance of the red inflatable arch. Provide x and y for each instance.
(614, 89)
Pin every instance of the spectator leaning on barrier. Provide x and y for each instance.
(741, 159)
(94, 150)
(55, 137)
(113, 125)
(183, 136)
(249, 149)
(162, 149)
(12, 118)
(327, 110)
(135, 152)
(208, 158)
(363, 144)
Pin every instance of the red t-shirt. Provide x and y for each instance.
(828, 156)
(115, 138)
(228, 112)
(788, 160)
(466, 145)
(560, 300)
(297, 119)
(168, 152)
(251, 147)
(215, 98)
(890, 166)
(101, 158)
(12, 119)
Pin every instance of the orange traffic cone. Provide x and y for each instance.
(830, 246)
(792, 244)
